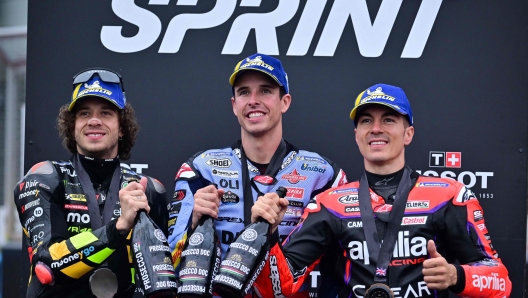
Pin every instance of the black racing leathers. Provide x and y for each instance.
(55, 215)
(443, 210)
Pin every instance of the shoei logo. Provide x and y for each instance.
(371, 35)
(219, 163)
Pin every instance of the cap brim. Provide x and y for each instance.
(354, 110)
(72, 104)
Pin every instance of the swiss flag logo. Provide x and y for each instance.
(453, 159)
(22, 185)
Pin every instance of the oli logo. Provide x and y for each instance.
(445, 159)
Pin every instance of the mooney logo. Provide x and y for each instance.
(371, 35)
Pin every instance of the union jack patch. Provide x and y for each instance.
(381, 271)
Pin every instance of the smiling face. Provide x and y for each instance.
(381, 135)
(97, 128)
(257, 104)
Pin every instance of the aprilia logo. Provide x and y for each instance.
(371, 35)
(405, 247)
(492, 282)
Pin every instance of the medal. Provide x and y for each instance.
(379, 291)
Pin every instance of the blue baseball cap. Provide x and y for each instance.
(387, 95)
(263, 63)
(95, 86)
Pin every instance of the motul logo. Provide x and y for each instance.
(371, 36)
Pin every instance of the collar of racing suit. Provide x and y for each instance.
(99, 170)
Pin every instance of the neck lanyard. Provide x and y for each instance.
(96, 219)
(247, 183)
(382, 256)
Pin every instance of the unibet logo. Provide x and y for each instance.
(371, 35)
(312, 168)
(405, 247)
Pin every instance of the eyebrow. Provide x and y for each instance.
(271, 86)
(385, 114)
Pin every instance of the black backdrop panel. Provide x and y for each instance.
(468, 88)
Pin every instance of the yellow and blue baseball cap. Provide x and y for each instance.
(263, 63)
(98, 82)
(387, 95)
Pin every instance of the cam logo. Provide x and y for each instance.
(371, 35)
(355, 224)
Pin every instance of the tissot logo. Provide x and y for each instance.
(371, 35)
(445, 159)
(453, 160)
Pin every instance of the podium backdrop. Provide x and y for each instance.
(462, 63)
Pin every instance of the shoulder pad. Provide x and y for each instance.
(157, 185)
(330, 196)
(43, 167)
(464, 196)
(186, 172)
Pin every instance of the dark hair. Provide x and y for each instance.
(127, 123)
(282, 92)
